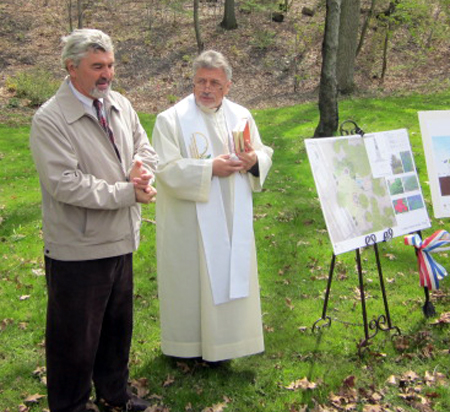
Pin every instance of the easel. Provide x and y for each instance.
(383, 322)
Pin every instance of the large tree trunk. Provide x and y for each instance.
(198, 36)
(348, 39)
(328, 106)
(229, 16)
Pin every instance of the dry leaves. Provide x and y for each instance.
(303, 383)
(33, 398)
(41, 374)
(140, 387)
(289, 303)
(38, 272)
(5, 323)
(443, 319)
(218, 407)
(169, 381)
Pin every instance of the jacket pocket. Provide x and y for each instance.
(107, 226)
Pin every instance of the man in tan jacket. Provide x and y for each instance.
(95, 166)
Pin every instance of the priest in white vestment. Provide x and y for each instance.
(207, 270)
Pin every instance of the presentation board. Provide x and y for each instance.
(368, 187)
(435, 129)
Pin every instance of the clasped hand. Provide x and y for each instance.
(140, 177)
(225, 165)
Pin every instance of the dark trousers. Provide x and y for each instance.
(89, 328)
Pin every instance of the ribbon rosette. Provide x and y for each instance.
(430, 272)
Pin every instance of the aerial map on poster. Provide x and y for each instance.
(367, 186)
(435, 128)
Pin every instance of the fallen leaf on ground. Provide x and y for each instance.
(169, 381)
(38, 272)
(5, 323)
(443, 319)
(34, 398)
(140, 386)
(301, 384)
(410, 376)
(350, 381)
(373, 408)
(392, 380)
(289, 303)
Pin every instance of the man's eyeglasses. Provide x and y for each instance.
(213, 85)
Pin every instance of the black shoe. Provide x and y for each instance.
(134, 404)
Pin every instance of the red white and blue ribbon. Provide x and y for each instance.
(430, 272)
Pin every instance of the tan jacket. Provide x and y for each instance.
(89, 208)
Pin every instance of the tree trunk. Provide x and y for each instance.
(229, 16)
(348, 39)
(80, 14)
(198, 36)
(69, 9)
(385, 51)
(365, 26)
(328, 106)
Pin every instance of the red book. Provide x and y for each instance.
(241, 135)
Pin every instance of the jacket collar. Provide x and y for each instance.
(72, 109)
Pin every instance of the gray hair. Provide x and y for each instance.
(212, 59)
(80, 41)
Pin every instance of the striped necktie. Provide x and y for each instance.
(103, 122)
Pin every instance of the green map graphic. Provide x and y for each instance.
(354, 202)
(364, 197)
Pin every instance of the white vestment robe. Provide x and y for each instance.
(191, 324)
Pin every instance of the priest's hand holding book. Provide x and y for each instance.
(247, 157)
(243, 146)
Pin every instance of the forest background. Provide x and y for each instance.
(404, 48)
(402, 67)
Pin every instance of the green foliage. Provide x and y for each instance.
(35, 85)
(13, 103)
(294, 253)
(258, 5)
(172, 98)
(263, 39)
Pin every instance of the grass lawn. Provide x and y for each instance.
(299, 370)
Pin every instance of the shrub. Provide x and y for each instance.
(36, 85)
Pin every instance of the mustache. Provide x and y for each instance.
(102, 81)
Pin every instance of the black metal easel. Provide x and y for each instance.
(383, 322)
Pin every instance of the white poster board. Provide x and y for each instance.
(435, 129)
(367, 186)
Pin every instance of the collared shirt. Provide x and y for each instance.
(88, 103)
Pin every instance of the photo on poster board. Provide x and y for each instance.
(435, 129)
(367, 186)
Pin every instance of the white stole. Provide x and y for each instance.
(228, 260)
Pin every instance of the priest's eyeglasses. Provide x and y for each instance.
(203, 84)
